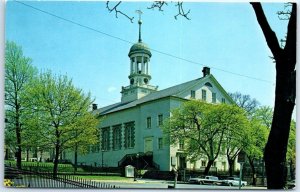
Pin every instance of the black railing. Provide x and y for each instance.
(120, 163)
(32, 179)
(156, 165)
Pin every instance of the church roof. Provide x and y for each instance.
(171, 91)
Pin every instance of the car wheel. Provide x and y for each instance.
(230, 184)
(201, 183)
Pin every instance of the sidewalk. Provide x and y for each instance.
(138, 180)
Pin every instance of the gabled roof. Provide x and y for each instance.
(171, 91)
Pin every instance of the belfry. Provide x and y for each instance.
(139, 76)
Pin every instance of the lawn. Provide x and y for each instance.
(114, 178)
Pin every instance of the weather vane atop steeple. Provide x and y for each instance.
(140, 23)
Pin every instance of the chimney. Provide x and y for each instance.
(95, 106)
(206, 71)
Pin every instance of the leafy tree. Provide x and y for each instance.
(264, 114)
(257, 137)
(18, 74)
(285, 94)
(33, 141)
(236, 136)
(260, 119)
(202, 127)
(61, 115)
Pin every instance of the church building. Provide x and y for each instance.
(131, 131)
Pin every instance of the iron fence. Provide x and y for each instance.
(33, 179)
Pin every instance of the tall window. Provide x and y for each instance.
(214, 97)
(203, 163)
(203, 95)
(160, 119)
(160, 143)
(148, 122)
(223, 100)
(95, 148)
(193, 94)
(181, 144)
(129, 135)
(117, 137)
(105, 138)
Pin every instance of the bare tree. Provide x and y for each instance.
(117, 11)
(155, 5)
(245, 102)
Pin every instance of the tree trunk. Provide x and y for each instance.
(18, 135)
(285, 94)
(231, 166)
(251, 162)
(207, 168)
(6, 154)
(75, 157)
(27, 154)
(275, 151)
(55, 167)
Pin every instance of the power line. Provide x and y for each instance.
(126, 41)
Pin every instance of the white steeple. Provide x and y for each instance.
(139, 77)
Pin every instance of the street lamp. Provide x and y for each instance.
(102, 156)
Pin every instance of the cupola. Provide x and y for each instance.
(139, 77)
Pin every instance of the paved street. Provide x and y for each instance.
(160, 184)
(129, 184)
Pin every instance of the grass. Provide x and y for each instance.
(114, 178)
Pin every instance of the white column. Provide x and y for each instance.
(131, 67)
(148, 67)
(143, 66)
(135, 65)
(147, 64)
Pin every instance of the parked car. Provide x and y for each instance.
(233, 181)
(206, 180)
(290, 185)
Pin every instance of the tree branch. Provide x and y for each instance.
(158, 5)
(269, 34)
(181, 11)
(290, 46)
(118, 11)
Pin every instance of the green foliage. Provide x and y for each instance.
(205, 127)
(291, 151)
(265, 115)
(60, 115)
(19, 73)
(257, 139)
(60, 112)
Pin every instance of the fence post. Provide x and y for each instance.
(91, 168)
(64, 181)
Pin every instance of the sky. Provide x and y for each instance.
(86, 42)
